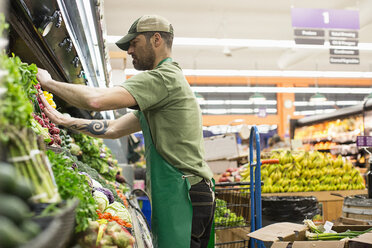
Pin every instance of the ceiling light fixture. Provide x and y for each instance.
(199, 96)
(317, 97)
(369, 97)
(257, 98)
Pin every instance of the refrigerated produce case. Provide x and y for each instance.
(65, 38)
(336, 132)
(55, 36)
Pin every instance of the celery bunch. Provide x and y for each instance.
(316, 234)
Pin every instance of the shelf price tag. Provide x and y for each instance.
(364, 141)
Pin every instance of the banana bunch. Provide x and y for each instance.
(307, 171)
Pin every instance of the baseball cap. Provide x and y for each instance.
(146, 23)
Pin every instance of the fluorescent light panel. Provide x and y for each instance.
(326, 103)
(246, 89)
(313, 112)
(274, 102)
(234, 102)
(269, 73)
(236, 111)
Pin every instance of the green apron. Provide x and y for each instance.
(171, 210)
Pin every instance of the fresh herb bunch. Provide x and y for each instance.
(73, 185)
(15, 106)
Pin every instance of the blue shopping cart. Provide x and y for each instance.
(255, 185)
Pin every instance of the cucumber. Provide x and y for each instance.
(7, 177)
(10, 234)
(30, 228)
(13, 208)
(22, 189)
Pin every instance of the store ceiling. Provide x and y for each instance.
(245, 19)
(239, 19)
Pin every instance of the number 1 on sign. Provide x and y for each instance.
(326, 17)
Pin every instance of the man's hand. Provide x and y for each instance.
(44, 78)
(54, 115)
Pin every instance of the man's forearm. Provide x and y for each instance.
(95, 128)
(75, 94)
(109, 129)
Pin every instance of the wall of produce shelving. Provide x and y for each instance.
(335, 133)
(59, 187)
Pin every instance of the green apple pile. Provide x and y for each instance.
(307, 171)
(224, 217)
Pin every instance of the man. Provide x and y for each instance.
(170, 119)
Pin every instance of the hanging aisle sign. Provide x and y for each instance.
(325, 18)
(334, 51)
(344, 60)
(312, 26)
(343, 34)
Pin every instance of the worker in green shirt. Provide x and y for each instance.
(167, 112)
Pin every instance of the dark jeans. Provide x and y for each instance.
(203, 204)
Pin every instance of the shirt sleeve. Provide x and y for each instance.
(148, 89)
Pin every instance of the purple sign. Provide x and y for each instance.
(325, 18)
(261, 112)
(364, 141)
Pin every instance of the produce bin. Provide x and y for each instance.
(232, 216)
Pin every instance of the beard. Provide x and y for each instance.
(145, 59)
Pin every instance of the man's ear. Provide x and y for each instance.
(157, 39)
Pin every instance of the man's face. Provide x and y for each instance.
(142, 53)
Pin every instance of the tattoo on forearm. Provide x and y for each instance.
(94, 127)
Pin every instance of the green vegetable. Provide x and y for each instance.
(316, 234)
(15, 107)
(223, 216)
(335, 236)
(39, 130)
(73, 185)
(7, 177)
(97, 155)
(10, 235)
(22, 189)
(10, 183)
(118, 209)
(96, 176)
(101, 200)
(30, 228)
(13, 208)
(22, 144)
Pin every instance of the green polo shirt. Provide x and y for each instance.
(174, 117)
